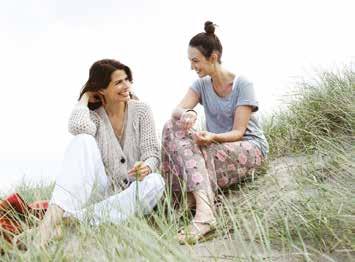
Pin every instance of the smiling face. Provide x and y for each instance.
(118, 89)
(199, 62)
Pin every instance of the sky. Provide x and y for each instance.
(47, 48)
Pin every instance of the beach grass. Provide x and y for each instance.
(301, 208)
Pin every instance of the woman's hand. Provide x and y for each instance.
(188, 119)
(139, 170)
(203, 138)
(94, 97)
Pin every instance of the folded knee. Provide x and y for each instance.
(157, 181)
(84, 139)
(154, 190)
(168, 125)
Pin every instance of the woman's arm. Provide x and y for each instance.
(246, 104)
(81, 120)
(241, 119)
(189, 101)
(184, 111)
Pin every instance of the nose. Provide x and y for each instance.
(127, 84)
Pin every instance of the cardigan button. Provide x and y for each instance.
(123, 160)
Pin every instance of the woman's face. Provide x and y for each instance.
(119, 88)
(199, 62)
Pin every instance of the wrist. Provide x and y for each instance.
(178, 112)
(190, 110)
(214, 137)
(84, 99)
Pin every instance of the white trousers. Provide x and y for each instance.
(82, 185)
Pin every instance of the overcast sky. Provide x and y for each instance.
(48, 46)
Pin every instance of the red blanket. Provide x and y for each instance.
(15, 214)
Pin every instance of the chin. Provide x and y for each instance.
(126, 99)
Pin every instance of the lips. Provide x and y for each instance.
(125, 93)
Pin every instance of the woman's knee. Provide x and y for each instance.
(155, 182)
(157, 179)
(154, 187)
(172, 125)
(84, 140)
(168, 126)
(83, 146)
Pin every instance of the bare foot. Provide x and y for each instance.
(46, 234)
(38, 237)
(196, 231)
(191, 201)
(50, 227)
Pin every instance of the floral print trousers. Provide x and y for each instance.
(189, 167)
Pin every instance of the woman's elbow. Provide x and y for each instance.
(77, 130)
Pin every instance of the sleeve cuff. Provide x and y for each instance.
(253, 104)
(153, 163)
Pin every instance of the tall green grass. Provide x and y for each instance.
(320, 113)
(301, 210)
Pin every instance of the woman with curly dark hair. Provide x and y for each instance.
(109, 168)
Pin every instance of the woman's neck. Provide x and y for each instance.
(115, 109)
(222, 80)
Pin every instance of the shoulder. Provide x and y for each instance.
(201, 82)
(242, 85)
(139, 107)
(242, 81)
(138, 104)
(98, 113)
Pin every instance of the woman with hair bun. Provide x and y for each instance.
(198, 163)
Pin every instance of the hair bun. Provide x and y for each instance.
(209, 27)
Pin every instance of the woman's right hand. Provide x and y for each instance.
(94, 97)
(188, 119)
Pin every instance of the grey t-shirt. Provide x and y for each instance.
(220, 111)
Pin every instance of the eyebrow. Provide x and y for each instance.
(116, 82)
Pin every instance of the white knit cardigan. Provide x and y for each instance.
(139, 142)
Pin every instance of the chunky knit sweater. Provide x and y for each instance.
(139, 141)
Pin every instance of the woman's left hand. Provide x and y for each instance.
(139, 170)
(203, 138)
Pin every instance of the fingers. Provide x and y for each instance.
(188, 119)
(91, 97)
(201, 138)
(139, 170)
(134, 169)
(102, 98)
(200, 141)
(131, 172)
(95, 97)
(143, 173)
(187, 124)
